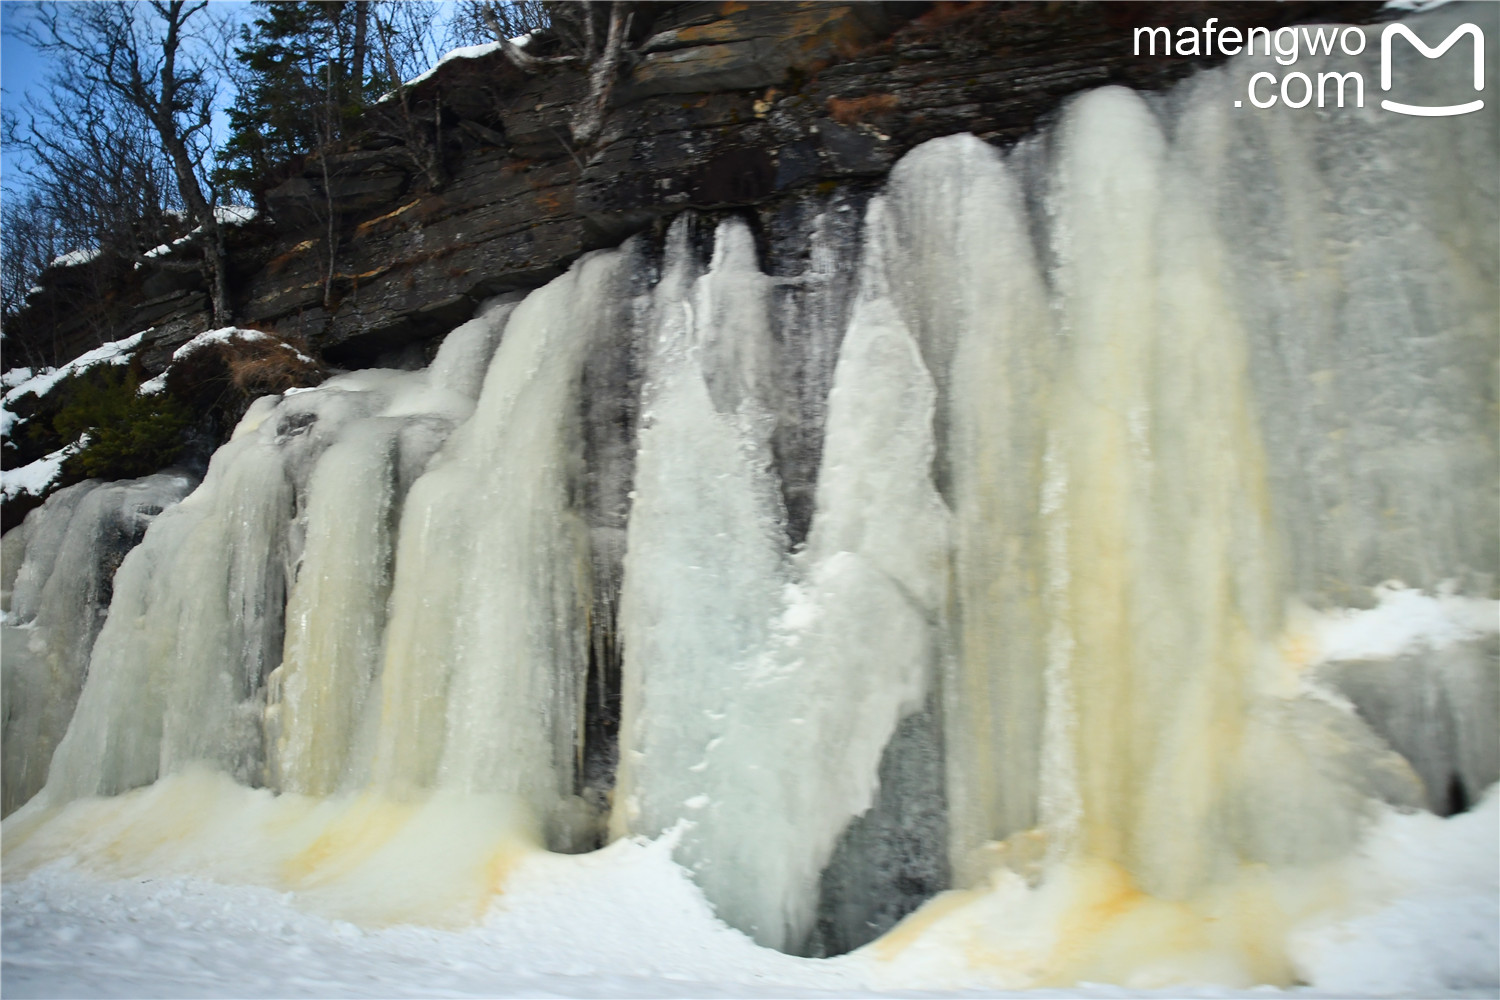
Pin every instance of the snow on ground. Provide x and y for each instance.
(14, 377)
(1403, 620)
(627, 921)
(1439, 929)
(223, 335)
(463, 52)
(74, 257)
(116, 352)
(234, 215)
(37, 476)
(226, 215)
(19, 382)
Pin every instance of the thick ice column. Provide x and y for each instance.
(859, 643)
(63, 588)
(41, 537)
(760, 691)
(965, 278)
(1364, 248)
(1169, 567)
(705, 559)
(1190, 755)
(1363, 245)
(486, 648)
(336, 612)
(177, 674)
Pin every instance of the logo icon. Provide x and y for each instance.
(1392, 30)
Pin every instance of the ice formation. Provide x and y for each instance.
(1107, 524)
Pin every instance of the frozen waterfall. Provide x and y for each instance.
(1122, 504)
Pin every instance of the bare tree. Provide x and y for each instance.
(92, 183)
(593, 35)
(361, 41)
(408, 43)
(31, 237)
(476, 21)
(155, 59)
(97, 168)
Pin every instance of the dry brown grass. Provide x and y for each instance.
(218, 380)
(251, 367)
(262, 366)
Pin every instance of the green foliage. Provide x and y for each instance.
(305, 81)
(129, 435)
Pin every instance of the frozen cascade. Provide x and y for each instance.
(60, 567)
(211, 587)
(1139, 500)
(336, 611)
(1165, 506)
(482, 683)
(195, 627)
(705, 560)
(741, 665)
(982, 318)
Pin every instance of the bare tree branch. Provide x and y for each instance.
(137, 56)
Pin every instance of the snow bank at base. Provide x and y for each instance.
(1429, 919)
(1414, 912)
(119, 914)
(628, 921)
(67, 934)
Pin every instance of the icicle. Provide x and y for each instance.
(962, 266)
(482, 683)
(68, 551)
(743, 667)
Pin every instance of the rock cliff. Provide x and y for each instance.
(722, 106)
(774, 111)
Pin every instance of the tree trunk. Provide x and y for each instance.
(202, 213)
(361, 30)
(588, 120)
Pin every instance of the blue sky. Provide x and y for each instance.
(23, 69)
(20, 67)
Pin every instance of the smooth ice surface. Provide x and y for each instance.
(481, 685)
(744, 666)
(57, 592)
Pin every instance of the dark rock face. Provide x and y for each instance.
(893, 858)
(469, 185)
